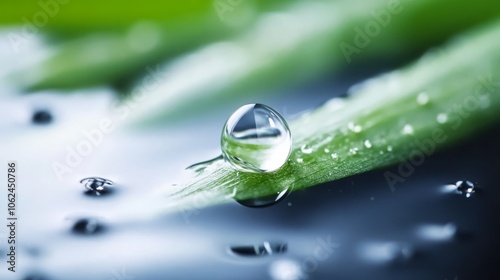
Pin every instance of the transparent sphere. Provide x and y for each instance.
(256, 138)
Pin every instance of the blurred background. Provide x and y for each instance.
(136, 91)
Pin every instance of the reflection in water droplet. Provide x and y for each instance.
(97, 185)
(41, 117)
(466, 188)
(286, 270)
(422, 98)
(262, 249)
(264, 201)
(87, 226)
(256, 138)
(354, 127)
(368, 144)
(442, 118)
(408, 129)
(305, 149)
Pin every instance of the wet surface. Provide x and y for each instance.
(353, 228)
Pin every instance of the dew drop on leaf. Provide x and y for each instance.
(256, 139)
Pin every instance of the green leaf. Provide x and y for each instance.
(447, 95)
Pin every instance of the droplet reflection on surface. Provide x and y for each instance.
(87, 226)
(466, 188)
(256, 138)
(264, 201)
(262, 249)
(286, 270)
(41, 117)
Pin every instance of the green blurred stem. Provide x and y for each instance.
(447, 95)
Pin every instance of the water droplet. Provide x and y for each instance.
(300, 160)
(354, 127)
(41, 117)
(289, 204)
(256, 138)
(386, 252)
(87, 226)
(306, 150)
(262, 249)
(389, 148)
(408, 129)
(327, 150)
(422, 98)
(442, 118)
(264, 201)
(353, 151)
(466, 188)
(335, 155)
(97, 185)
(368, 144)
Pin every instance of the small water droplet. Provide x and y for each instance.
(41, 117)
(422, 98)
(389, 148)
(438, 232)
(368, 144)
(466, 188)
(408, 129)
(335, 155)
(300, 160)
(97, 186)
(306, 150)
(354, 127)
(442, 118)
(327, 150)
(262, 249)
(87, 226)
(289, 204)
(264, 201)
(353, 151)
(256, 138)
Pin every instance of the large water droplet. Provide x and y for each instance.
(262, 249)
(265, 201)
(87, 226)
(466, 188)
(256, 138)
(97, 185)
